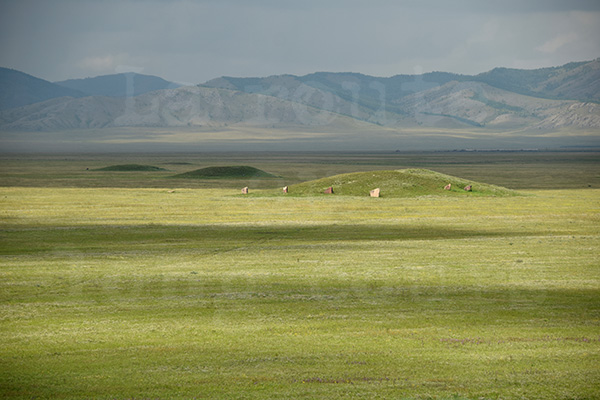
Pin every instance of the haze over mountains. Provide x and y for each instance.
(18, 88)
(499, 98)
(549, 99)
(118, 85)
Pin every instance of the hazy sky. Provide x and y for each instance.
(192, 41)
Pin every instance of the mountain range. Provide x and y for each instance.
(502, 99)
(20, 89)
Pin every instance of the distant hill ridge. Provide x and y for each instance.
(19, 89)
(573, 81)
(495, 98)
(502, 99)
(118, 85)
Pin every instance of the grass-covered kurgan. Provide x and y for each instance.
(226, 172)
(398, 183)
(130, 168)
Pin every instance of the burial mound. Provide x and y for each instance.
(233, 172)
(398, 183)
(130, 167)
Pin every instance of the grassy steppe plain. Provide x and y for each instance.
(119, 293)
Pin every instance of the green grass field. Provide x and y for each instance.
(129, 290)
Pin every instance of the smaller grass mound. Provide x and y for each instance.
(130, 167)
(232, 172)
(398, 183)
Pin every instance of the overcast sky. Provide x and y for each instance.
(192, 41)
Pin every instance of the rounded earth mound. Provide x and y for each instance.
(227, 172)
(398, 183)
(130, 167)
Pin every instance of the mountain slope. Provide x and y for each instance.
(185, 106)
(291, 88)
(502, 98)
(19, 89)
(363, 97)
(200, 106)
(573, 81)
(478, 104)
(453, 105)
(63, 113)
(118, 85)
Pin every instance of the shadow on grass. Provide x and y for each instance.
(353, 232)
(20, 239)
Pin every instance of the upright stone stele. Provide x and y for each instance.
(245, 190)
(285, 189)
(374, 193)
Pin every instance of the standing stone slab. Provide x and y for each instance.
(374, 193)
(245, 190)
